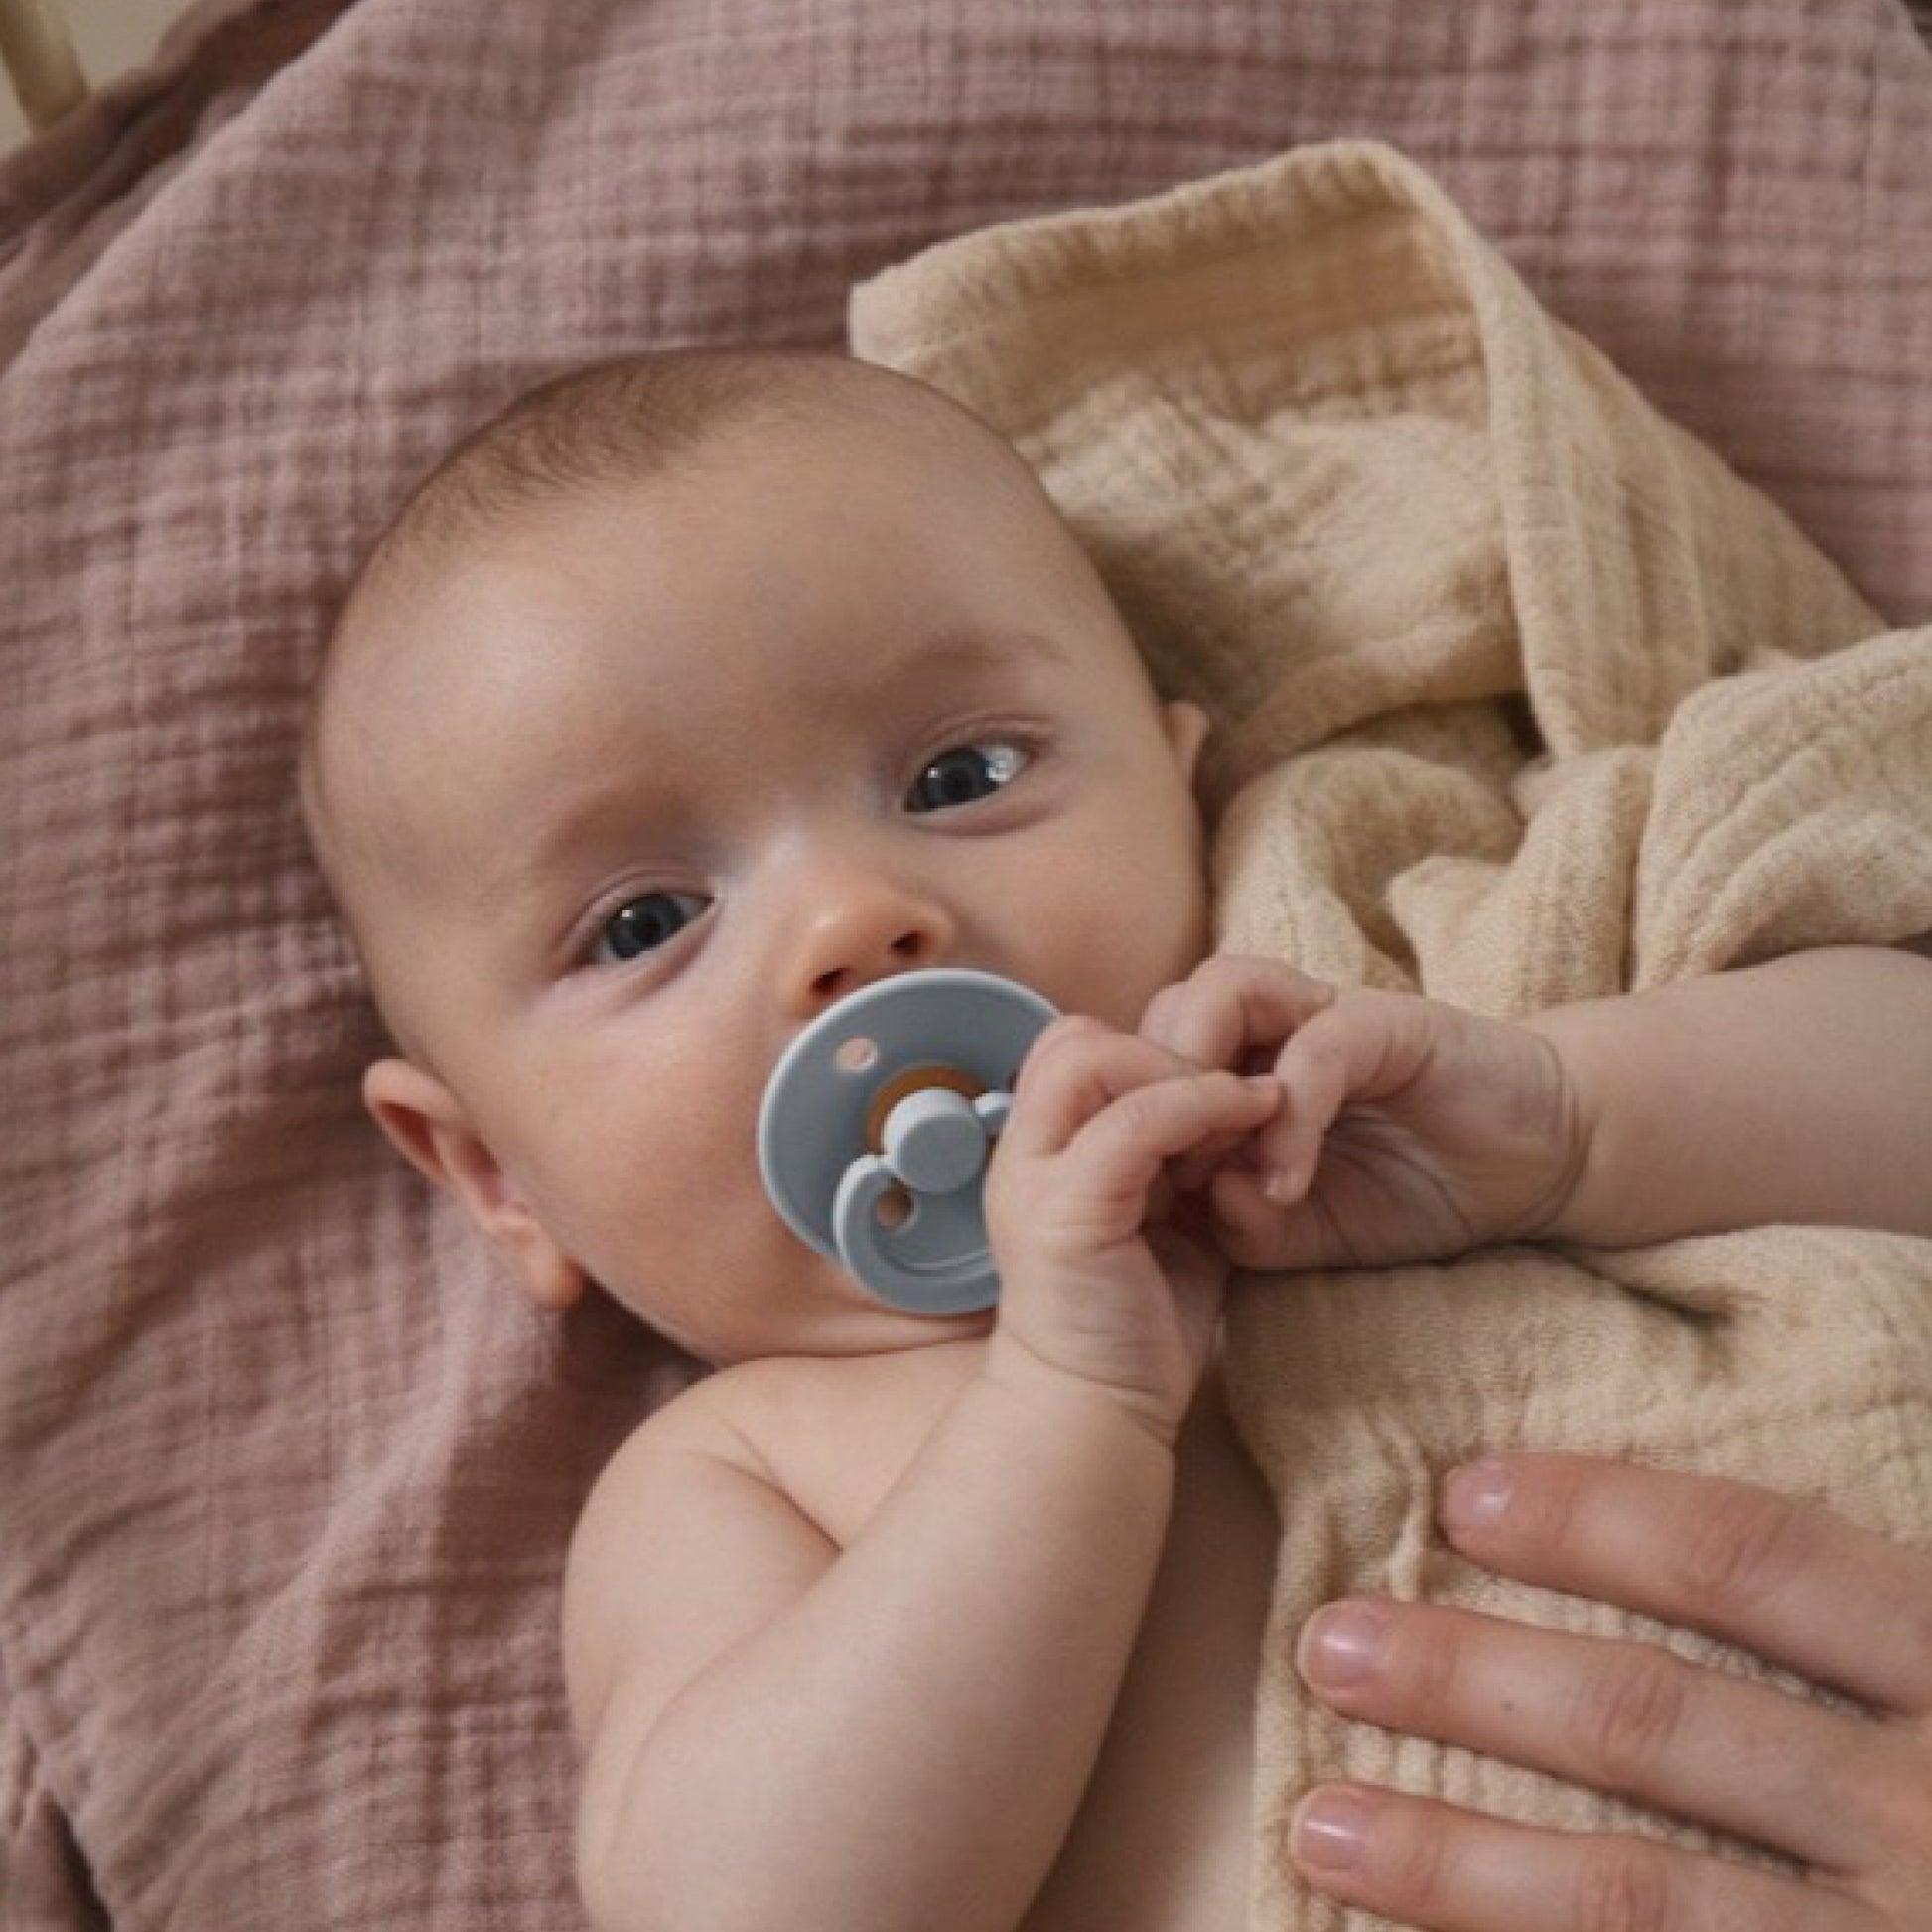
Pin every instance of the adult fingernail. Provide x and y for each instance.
(1477, 1498)
(1344, 1645)
(1329, 1830)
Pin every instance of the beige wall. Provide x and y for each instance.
(112, 37)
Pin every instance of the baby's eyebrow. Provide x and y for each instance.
(929, 666)
(999, 647)
(968, 652)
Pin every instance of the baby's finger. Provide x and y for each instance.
(1362, 1048)
(1315, 1082)
(1123, 1148)
(1255, 1233)
(1801, 1588)
(1444, 1869)
(1075, 1068)
(1228, 1004)
(1193, 1170)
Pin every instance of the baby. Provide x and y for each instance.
(698, 690)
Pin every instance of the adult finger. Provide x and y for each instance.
(1624, 1717)
(1791, 1582)
(1444, 1869)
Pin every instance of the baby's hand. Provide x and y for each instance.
(1102, 1278)
(1411, 1128)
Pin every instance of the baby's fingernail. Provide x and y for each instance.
(1475, 1497)
(1279, 1187)
(1329, 1830)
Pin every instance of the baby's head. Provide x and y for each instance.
(693, 692)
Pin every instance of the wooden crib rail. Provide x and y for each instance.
(38, 53)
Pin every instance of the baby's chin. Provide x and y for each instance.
(895, 1331)
(858, 1325)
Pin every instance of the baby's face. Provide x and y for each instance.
(670, 769)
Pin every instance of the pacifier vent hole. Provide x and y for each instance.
(857, 1056)
(895, 1210)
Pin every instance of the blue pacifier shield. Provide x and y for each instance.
(877, 1123)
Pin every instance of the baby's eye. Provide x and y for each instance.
(964, 772)
(643, 923)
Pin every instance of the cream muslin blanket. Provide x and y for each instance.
(1521, 697)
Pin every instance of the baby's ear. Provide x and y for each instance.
(432, 1132)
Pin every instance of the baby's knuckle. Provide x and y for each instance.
(1066, 1035)
(1320, 1046)
(1164, 1008)
(1136, 1114)
(1240, 971)
(1226, 969)
(1622, 1884)
(1628, 1716)
(1149, 1111)
(1745, 1548)
(1066, 1028)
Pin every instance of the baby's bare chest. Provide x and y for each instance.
(1162, 1841)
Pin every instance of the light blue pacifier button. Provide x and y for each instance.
(934, 1141)
(879, 1121)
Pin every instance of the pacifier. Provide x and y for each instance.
(877, 1123)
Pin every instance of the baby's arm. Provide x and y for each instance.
(781, 1733)
(898, 1734)
(1799, 1090)
(1411, 1128)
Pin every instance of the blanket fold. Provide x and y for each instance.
(1521, 696)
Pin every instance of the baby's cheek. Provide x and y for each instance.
(1123, 965)
(617, 1191)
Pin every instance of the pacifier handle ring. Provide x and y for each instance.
(968, 1283)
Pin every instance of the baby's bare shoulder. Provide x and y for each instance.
(783, 1420)
(720, 1431)
(686, 1535)
(727, 1504)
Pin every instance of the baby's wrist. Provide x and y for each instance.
(1069, 1399)
(1587, 1197)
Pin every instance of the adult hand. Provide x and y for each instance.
(1847, 1796)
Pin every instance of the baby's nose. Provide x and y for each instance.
(867, 931)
